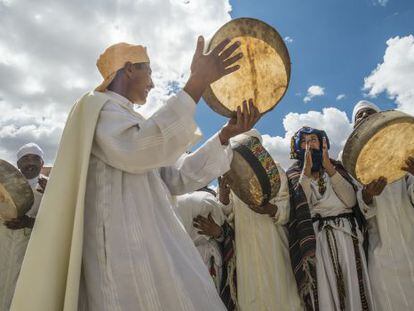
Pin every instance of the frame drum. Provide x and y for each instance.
(379, 147)
(264, 72)
(16, 196)
(253, 176)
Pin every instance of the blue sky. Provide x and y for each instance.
(336, 44)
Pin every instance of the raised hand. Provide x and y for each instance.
(307, 166)
(326, 162)
(207, 226)
(210, 67)
(243, 121)
(374, 188)
(409, 165)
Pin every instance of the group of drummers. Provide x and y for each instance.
(122, 227)
(325, 242)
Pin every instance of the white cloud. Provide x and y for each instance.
(331, 120)
(340, 96)
(395, 75)
(314, 91)
(288, 39)
(382, 2)
(48, 51)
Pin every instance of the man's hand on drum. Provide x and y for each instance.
(20, 223)
(207, 226)
(244, 120)
(326, 162)
(268, 209)
(373, 189)
(409, 165)
(42, 183)
(210, 67)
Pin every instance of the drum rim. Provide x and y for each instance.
(211, 99)
(241, 155)
(22, 207)
(350, 162)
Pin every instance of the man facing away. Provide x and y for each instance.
(119, 172)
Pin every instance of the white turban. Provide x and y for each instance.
(30, 148)
(240, 137)
(363, 104)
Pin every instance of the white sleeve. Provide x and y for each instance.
(128, 142)
(282, 200)
(410, 187)
(369, 211)
(196, 170)
(211, 204)
(227, 209)
(305, 183)
(344, 190)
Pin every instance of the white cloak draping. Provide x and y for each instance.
(121, 186)
(391, 245)
(136, 254)
(265, 279)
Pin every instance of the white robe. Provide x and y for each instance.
(391, 249)
(13, 244)
(265, 280)
(136, 253)
(338, 198)
(202, 203)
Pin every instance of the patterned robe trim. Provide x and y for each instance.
(302, 242)
(228, 291)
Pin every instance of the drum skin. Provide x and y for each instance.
(379, 146)
(16, 196)
(264, 72)
(253, 176)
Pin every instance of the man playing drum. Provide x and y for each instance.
(116, 243)
(390, 212)
(15, 233)
(264, 277)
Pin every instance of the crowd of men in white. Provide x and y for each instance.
(127, 221)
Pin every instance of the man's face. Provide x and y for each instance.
(313, 141)
(30, 165)
(140, 82)
(362, 115)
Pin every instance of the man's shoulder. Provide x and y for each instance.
(93, 96)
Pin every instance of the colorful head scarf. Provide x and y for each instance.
(296, 152)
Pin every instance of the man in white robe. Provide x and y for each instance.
(15, 234)
(389, 209)
(265, 280)
(203, 203)
(119, 225)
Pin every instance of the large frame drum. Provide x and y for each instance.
(379, 146)
(264, 72)
(253, 176)
(16, 195)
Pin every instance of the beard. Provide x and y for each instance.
(316, 159)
